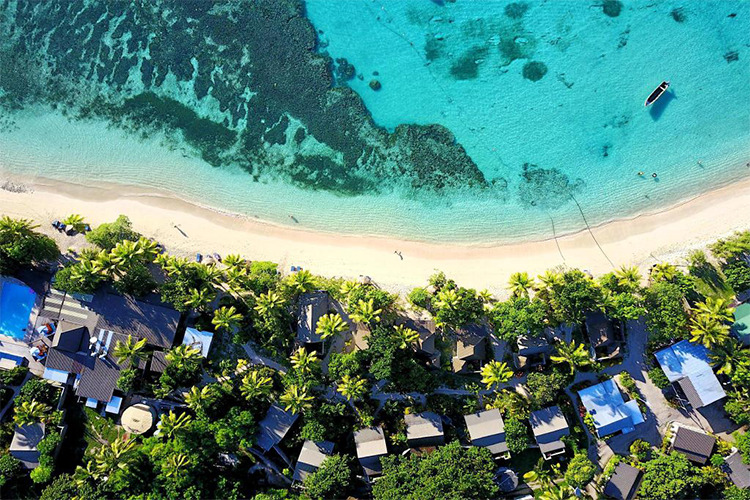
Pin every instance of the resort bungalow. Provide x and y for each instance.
(311, 457)
(274, 427)
(532, 351)
(604, 335)
(312, 306)
(687, 367)
(549, 426)
(425, 346)
(471, 348)
(609, 411)
(424, 429)
(741, 327)
(624, 483)
(486, 429)
(24, 444)
(360, 337)
(737, 470)
(695, 445)
(371, 445)
(81, 350)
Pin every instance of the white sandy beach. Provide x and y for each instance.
(640, 241)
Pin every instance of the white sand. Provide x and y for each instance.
(640, 241)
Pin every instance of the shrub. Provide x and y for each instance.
(628, 383)
(331, 480)
(36, 389)
(9, 468)
(109, 234)
(420, 298)
(544, 388)
(128, 380)
(516, 435)
(737, 275)
(14, 376)
(42, 474)
(580, 471)
(658, 377)
(137, 281)
(641, 450)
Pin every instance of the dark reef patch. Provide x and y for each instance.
(678, 15)
(57, 52)
(612, 8)
(546, 188)
(516, 10)
(433, 48)
(466, 67)
(732, 56)
(534, 70)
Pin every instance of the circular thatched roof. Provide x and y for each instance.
(138, 419)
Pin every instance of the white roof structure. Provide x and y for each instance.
(114, 405)
(371, 446)
(199, 340)
(311, 457)
(686, 364)
(487, 430)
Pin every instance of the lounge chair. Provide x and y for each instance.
(217, 257)
(198, 257)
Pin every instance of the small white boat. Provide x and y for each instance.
(657, 93)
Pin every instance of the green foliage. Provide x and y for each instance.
(717, 460)
(10, 468)
(571, 297)
(628, 383)
(544, 388)
(450, 472)
(313, 430)
(518, 316)
(737, 274)
(658, 377)
(666, 319)
(70, 279)
(743, 444)
(516, 435)
(735, 493)
(36, 389)
(420, 298)
(47, 448)
(235, 431)
(128, 380)
(136, 280)
(42, 474)
(64, 487)
(580, 471)
(389, 362)
(109, 234)
(263, 276)
(641, 450)
(738, 407)
(21, 246)
(457, 307)
(332, 480)
(14, 376)
(668, 477)
(732, 247)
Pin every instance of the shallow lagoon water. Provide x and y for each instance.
(561, 148)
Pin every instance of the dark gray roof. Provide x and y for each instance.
(159, 361)
(274, 427)
(549, 424)
(624, 482)
(690, 392)
(65, 361)
(25, 442)
(98, 376)
(599, 328)
(311, 457)
(487, 429)
(739, 471)
(507, 479)
(157, 324)
(696, 446)
(69, 336)
(311, 307)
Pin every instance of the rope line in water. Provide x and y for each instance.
(554, 235)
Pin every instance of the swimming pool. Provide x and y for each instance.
(16, 302)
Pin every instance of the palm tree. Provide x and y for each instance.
(447, 298)
(352, 388)
(520, 283)
(209, 273)
(495, 373)
(269, 304)
(717, 309)
(130, 349)
(628, 278)
(76, 222)
(708, 331)
(199, 299)
(126, 254)
(729, 356)
(664, 271)
(365, 312)
(185, 357)
(547, 284)
(195, 398)
(302, 281)
(575, 355)
(254, 385)
(560, 491)
(114, 456)
(295, 399)
(16, 228)
(405, 335)
(330, 325)
(485, 296)
(347, 287)
(234, 261)
(30, 412)
(174, 464)
(173, 265)
(171, 422)
(304, 360)
(226, 318)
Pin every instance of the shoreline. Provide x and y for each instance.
(638, 240)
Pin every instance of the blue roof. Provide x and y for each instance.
(610, 412)
(688, 360)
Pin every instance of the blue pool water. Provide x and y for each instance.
(16, 302)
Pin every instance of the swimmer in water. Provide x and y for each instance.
(654, 175)
(640, 174)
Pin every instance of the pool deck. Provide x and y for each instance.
(9, 345)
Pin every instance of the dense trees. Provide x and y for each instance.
(516, 317)
(668, 477)
(332, 480)
(580, 471)
(21, 245)
(666, 319)
(516, 435)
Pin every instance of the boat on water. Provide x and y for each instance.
(657, 93)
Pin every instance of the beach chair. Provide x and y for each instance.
(198, 258)
(217, 257)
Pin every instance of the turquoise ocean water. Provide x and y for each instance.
(546, 97)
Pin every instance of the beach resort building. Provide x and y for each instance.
(737, 470)
(274, 427)
(605, 336)
(687, 367)
(533, 351)
(624, 483)
(24, 445)
(424, 429)
(371, 445)
(487, 429)
(741, 326)
(608, 410)
(312, 306)
(549, 426)
(470, 349)
(80, 351)
(696, 445)
(425, 346)
(311, 457)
